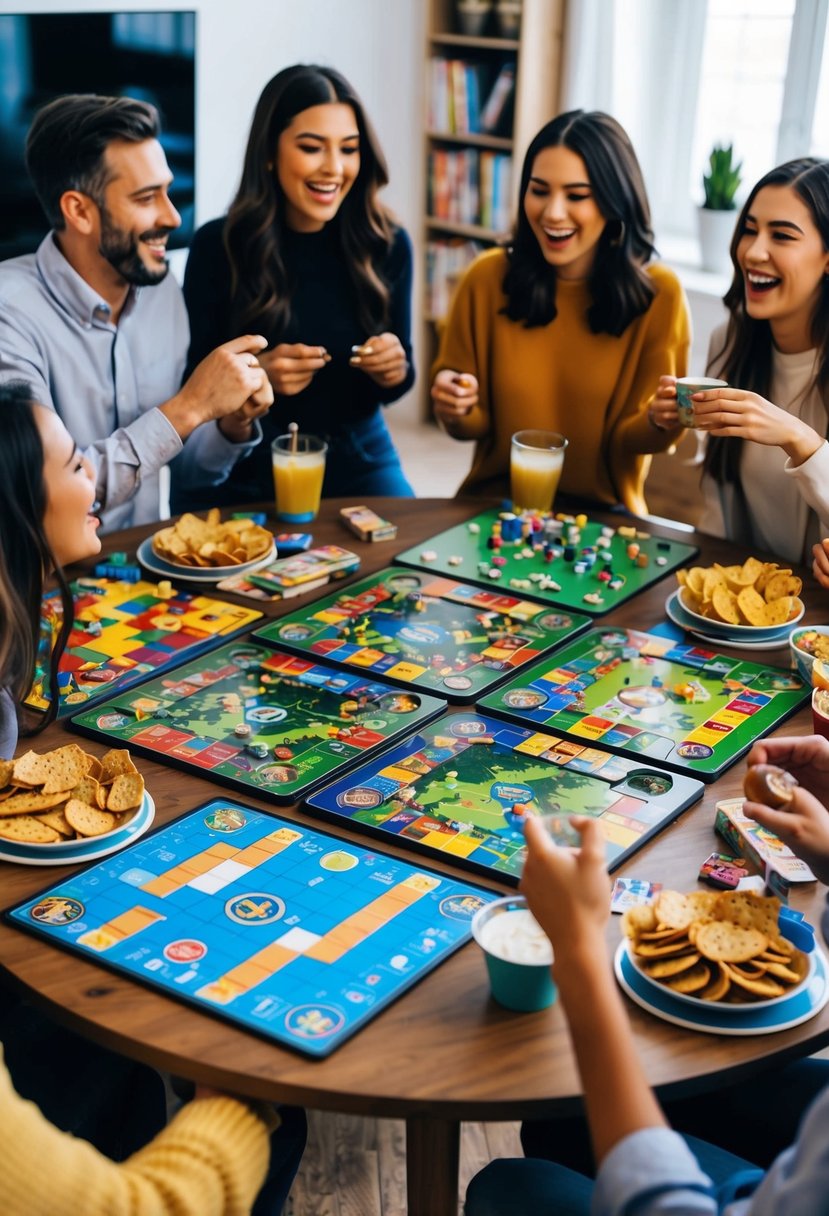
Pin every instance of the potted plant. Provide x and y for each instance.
(716, 215)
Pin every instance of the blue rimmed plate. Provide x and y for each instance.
(806, 1001)
(196, 574)
(69, 852)
(738, 637)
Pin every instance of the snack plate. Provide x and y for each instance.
(68, 852)
(741, 633)
(766, 1017)
(196, 574)
(761, 639)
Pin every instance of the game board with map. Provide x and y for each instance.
(425, 631)
(643, 695)
(522, 565)
(282, 929)
(123, 632)
(463, 786)
(259, 719)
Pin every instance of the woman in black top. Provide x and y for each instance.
(308, 256)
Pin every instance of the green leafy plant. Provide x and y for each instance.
(723, 181)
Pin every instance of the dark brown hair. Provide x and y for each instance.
(255, 230)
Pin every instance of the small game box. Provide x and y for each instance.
(367, 524)
(766, 853)
(648, 696)
(259, 719)
(126, 631)
(295, 575)
(281, 929)
(424, 631)
(567, 560)
(462, 787)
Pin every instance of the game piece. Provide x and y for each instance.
(722, 870)
(428, 555)
(289, 543)
(768, 784)
(242, 730)
(329, 718)
(425, 631)
(117, 570)
(455, 560)
(474, 528)
(124, 632)
(367, 524)
(600, 688)
(453, 788)
(164, 590)
(259, 750)
(256, 517)
(283, 929)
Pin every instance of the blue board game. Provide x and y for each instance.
(287, 932)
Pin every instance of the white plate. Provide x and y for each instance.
(681, 617)
(806, 1001)
(193, 574)
(69, 852)
(745, 633)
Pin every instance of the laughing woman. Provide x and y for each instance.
(772, 493)
(569, 328)
(309, 251)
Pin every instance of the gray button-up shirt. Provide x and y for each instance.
(106, 381)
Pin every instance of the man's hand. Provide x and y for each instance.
(291, 366)
(222, 384)
(238, 427)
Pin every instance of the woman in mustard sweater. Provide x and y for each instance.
(570, 327)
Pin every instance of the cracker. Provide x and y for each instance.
(665, 967)
(88, 820)
(126, 792)
(114, 762)
(691, 981)
(727, 943)
(29, 801)
(58, 822)
(27, 830)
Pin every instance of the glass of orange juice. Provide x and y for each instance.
(536, 461)
(298, 469)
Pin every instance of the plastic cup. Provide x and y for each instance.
(536, 461)
(518, 954)
(298, 476)
(686, 386)
(820, 712)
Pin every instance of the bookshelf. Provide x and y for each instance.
(486, 96)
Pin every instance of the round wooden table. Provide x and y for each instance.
(445, 1051)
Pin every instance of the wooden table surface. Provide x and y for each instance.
(444, 1051)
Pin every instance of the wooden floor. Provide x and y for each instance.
(356, 1167)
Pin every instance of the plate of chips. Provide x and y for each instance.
(721, 955)
(66, 805)
(757, 601)
(206, 550)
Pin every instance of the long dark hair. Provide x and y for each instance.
(621, 289)
(747, 350)
(25, 554)
(255, 229)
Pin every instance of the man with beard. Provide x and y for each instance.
(80, 325)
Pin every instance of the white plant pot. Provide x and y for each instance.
(716, 229)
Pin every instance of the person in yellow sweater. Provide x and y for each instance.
(570, 327)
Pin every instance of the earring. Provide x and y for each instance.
(618, 239)
(269, 166)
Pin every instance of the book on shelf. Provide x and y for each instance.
(500, 95)
(446, 260)
(464, 99)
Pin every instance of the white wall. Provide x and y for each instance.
(377, 44)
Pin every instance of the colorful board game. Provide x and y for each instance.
(652, 697)
(567, 560)
(126, 631)
(281, 929)
(462, 788)
(259, 719)
(424, 631)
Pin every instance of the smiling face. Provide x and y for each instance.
(136, 215)
(317, 162)
(69, 525)
(781, 255)
(562, 212)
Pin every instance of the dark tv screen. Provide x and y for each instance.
(150, 56)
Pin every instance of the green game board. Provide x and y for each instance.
(652, 697)
(462, 551)
(302, 722)
(424, 631)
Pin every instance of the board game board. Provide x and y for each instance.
(283, 930)
(570, 561)
(125, 631)
(425, 631)
(259, 719)
(645, 695)
(462, 787)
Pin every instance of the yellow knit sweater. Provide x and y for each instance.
(209, 1161)
(593, 388)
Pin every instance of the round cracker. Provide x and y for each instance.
(727, 943)
(88, 820)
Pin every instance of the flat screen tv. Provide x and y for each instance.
(43, 55)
